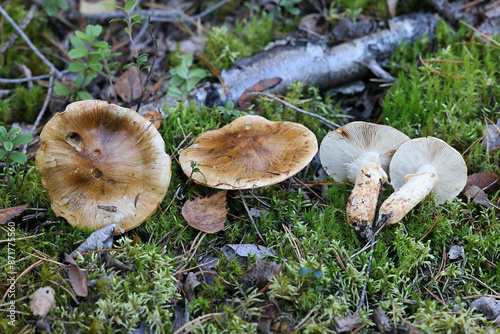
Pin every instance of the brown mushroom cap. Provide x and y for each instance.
(249, 152)
(103, 164)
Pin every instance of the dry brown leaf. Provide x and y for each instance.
(9, 213)
(76, 277)
(206, 214)
(42, 301)
(189, 285)
(477, 195)
(246, 101)
(128, 85)
(154, 117)
(482, 180)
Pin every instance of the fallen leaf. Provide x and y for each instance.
(207, 263)
(206, 214)
(314, 22)
(243, 251)
(477, 195)
(100, 239)
(382, 321)
(9, 213)
(259, 274)
(488, 306)
(348, 323)
(128, 86)
(491, 141)
(189, 285)
(76, 277)
(456, 252)
(482, 180)
(245, 101)
(154, 117)
(476, 185)
(391, 4)
(42, 301)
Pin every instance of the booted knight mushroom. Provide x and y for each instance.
(419, 167)
(103, 164)
(360, 152)
(249, 152)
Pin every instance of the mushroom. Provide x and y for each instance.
(249, 152)
(418, 167)
(103, 164)
(360, 152)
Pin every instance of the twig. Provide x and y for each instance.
(21, 80)
(150, 69)
(368, 269)
(30, 44)
(197, 321)
(210, 10)
(251, 218)
(321, 118)
(34, 265)
(27, 19)
(429, 231)
(45, 104)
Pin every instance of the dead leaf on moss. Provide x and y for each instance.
(76, 277)
(100, 239)
(128, 86)
(476, 186)
(245, 100)
(189, 285)
(9, 213)
(259, 274)
(348, 323)
(42, 301)
(154, 117)
(206, 214)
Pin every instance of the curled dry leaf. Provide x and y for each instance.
(206, 214)
(128, 86)
(245, 100)
(154, 117)
(189, 285)
(76, 276)
(100, 239)
(42, 301)
(9, 213)
(477, 184)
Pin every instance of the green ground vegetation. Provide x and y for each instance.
(323, 269)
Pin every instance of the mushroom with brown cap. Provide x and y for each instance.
(419, 167)
(103, 164)
(361, 152)
(249, 152)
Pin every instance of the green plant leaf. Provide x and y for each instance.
(23, 138)
(2, 153)
(8, 145)
(317, 273)
(83, 36)
(128, 6)
(96, 66)
(136, 18)
(18, 157)
(111, 6)
(78, 53)
(62, 4)
(181, 71)
(100, 44)
(174, 91)
(14, 131)
(62, 90)
(76, 66)
(197, 73)
(3, 132)
(83, 95)
(77, 42)
(177, 80)
(303, 271)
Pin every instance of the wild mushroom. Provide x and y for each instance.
(249, 152)
(418, 167)
(103, 164)
(360, 152)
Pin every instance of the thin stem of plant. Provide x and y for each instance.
(251, 218)
(321, 118)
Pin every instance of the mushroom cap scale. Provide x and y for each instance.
(429, 153)
(103, 164)
(249, 152)
(358, 140)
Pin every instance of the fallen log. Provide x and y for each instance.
(316, 64)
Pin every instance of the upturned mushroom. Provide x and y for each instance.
(249, 152)
(360, 152)
(103, 164)
(419, 167)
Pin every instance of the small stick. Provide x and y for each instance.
(321, 118)
(27, 19)
(21, 80)
(45, 104)
(30, 44)
(251, 218)
(210, 10)
(368, 269)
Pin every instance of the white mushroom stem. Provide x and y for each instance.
(417, 186)
(362, 203)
